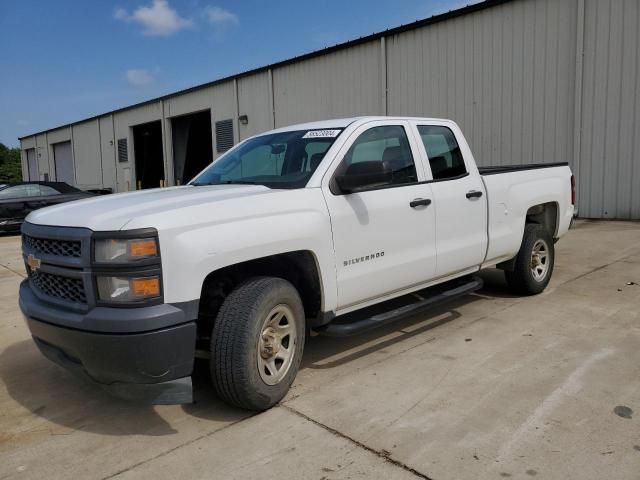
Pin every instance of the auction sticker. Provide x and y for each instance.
(321, 134)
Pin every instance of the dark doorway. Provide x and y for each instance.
(192, 145)
(147, 147)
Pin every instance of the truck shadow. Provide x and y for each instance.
(319, 350)
(495, 285)
(51, 393)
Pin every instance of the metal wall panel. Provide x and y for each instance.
(224, 108)
(191, 102)
(108, 152)
(42, 156)
(505, 74)
(339, 84)
(28, 142)
(528, 80)
(609, 184)
(60, 135)
(254, 101)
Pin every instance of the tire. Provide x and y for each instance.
(527, 277)
(247, 339)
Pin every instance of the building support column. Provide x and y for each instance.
(383, 76)
(272, 102)
(577, 100)
(236, 107)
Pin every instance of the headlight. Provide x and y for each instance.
(128, 289)
(125, 250)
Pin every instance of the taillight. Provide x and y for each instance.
(573, 190)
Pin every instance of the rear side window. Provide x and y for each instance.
(445, 157)
(388, 145)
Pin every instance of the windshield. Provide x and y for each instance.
(278, 160)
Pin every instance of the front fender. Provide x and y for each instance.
(286, 221)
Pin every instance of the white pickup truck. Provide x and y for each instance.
(328, 227)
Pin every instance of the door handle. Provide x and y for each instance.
(417, 202)
(474, 194)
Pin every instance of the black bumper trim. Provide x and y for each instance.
(169, 392)
(153, 367)
(106, 319)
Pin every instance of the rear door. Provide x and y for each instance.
(459, 197)
(384, 241)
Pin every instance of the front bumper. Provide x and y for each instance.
(153, 366)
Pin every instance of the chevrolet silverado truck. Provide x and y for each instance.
(332, 227)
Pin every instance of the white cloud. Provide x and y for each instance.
(121, 14)
(139, 77)
(219, 16)
(157, 19)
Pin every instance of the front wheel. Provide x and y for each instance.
(534, 264)
(257, 343)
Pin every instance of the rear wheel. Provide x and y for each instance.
(257, 343)
(534, 264)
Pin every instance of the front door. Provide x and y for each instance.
(384, 236)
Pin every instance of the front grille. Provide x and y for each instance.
(65, 248)
(65, 288)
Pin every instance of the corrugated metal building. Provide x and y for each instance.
(528, 81)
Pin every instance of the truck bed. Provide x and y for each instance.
(494, 170)
(511, 189)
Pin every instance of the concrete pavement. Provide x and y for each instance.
(491, 386)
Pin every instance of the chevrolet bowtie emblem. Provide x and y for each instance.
(33, 262)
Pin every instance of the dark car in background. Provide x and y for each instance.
(17, 200)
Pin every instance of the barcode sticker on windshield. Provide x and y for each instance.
(321, 134)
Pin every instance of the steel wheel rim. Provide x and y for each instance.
(276, 344)
(540, 260)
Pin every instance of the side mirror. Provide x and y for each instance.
(361, 175)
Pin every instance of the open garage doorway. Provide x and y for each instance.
(192, 145)
(147, 147)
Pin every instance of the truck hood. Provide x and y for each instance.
(113, 212)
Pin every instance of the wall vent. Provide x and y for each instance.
(224, 135)
(123, 154)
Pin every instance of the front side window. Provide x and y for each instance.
(445, 157)
(279, 160)
(389, 146)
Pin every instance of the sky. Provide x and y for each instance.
(65, 60)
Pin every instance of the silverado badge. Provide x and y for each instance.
(33, 262)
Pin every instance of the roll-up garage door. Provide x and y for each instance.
(63, 162)
(32, 164)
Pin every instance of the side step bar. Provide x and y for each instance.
(371, 317)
